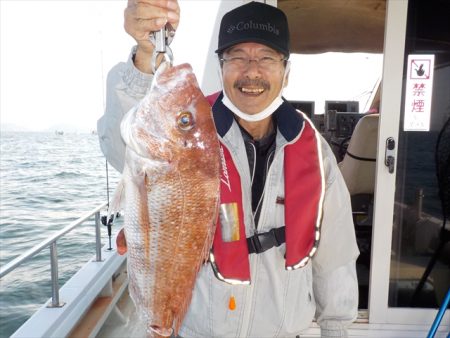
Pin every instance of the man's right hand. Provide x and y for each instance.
(142, 17)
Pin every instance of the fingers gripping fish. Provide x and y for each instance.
(170, 193)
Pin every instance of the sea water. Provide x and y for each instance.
(47, 180)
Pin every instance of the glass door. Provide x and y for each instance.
(420, 256)
(411, 239)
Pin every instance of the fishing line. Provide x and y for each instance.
(107, 183)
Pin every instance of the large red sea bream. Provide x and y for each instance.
(170, 193)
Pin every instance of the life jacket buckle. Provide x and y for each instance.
(264, 241)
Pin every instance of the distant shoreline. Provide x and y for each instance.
(5, 128)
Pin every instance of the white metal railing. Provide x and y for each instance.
(51, 243)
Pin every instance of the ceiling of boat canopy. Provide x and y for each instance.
(335, 25)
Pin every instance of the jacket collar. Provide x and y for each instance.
(289, 121)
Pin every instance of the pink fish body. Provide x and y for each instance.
(170, 191)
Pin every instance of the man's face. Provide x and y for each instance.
(252, 86)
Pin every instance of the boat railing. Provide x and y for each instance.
(51, 242)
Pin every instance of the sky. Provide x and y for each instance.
(55, 56)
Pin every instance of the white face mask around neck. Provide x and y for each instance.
(255, 117)
(269, 110)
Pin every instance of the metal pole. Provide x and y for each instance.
(98, 242)
(54, 275)
(439, 315)
(7, 268)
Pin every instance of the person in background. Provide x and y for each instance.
(280, 182)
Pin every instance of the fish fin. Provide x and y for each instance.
(116, 203)
(210, 239)
(179, 319)
(121, 242)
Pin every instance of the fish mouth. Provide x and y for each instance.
(161, 331)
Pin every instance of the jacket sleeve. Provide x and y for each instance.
(125, 87)
(334, 265)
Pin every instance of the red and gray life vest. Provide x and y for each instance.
(304, 193)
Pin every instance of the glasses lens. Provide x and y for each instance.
(241, 62)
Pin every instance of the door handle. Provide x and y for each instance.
(389, 158)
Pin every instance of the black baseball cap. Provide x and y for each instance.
(255, 22)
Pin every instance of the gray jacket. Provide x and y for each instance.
(277, 303)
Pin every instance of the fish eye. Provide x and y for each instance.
(185, 120)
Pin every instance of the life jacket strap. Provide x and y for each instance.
(261, 242)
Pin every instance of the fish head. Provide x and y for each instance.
(174, 120)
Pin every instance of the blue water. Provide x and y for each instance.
(46, 182)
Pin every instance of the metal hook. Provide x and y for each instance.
(161, 40)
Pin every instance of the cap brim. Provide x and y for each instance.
(261, 41)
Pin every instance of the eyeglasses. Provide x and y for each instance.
(241, 62)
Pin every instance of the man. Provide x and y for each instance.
(298, 260)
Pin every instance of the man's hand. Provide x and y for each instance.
(142, 17)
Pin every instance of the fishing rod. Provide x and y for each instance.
(106, 220)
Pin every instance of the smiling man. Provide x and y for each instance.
(281, 186)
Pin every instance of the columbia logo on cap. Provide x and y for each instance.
(254, 22)
(243, 26)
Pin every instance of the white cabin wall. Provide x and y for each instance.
(210, 82)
